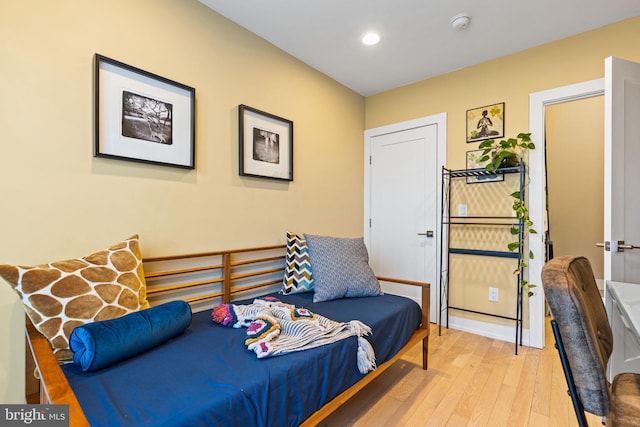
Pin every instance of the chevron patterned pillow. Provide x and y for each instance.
(297, 271)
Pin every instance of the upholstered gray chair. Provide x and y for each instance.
(584, 342)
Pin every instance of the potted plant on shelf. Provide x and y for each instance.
(507, 152)
(510, 153)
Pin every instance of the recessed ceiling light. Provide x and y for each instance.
(371, 38)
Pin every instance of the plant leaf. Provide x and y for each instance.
(486, 143)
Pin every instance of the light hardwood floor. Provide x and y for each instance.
(471, 381)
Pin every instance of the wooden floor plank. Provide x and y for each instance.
(471, 381)
(481, 415)
(521, 407)
(541, 401)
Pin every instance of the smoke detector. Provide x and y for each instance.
(460, 21)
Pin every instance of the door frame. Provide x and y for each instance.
(440, 121)
(537, 195)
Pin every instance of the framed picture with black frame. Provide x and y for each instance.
(476, 169)
(142, 117)
(265, 144)
(485, 122)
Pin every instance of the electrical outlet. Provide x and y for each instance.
(462, 210)
(494, 294)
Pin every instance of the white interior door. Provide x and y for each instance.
(622, 170)
(403, 207)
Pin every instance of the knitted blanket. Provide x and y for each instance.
(274, 328)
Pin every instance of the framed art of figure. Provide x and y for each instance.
(266, 144)
(142, 117)
(485, 123)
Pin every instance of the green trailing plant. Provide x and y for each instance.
(508, 153)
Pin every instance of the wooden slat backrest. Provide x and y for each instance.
(215, 275)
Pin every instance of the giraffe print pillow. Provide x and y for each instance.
(62, 295)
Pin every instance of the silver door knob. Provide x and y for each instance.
(428, 233)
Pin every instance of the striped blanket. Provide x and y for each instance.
(274, 328)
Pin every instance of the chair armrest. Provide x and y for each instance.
(54, 387)
(405, 282)
(426, 295)
(424, 322)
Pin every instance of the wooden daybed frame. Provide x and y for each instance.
(236, 272)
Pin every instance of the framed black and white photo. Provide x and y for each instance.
(477, 171)
(266, 144)
(485, 123)
(142, 117)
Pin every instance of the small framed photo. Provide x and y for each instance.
(485, 123)
(266, 144)
(142, 117)
(476, 169)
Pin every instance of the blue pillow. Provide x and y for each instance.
(100, 344)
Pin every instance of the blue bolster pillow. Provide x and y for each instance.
(100, 344)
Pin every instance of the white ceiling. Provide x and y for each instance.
(418, 41)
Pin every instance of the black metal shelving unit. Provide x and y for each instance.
(450, 222)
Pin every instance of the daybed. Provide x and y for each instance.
(206, 375)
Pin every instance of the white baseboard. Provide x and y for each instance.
(485, 329)
(489, 330)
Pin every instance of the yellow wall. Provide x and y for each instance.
(509, 79)
(59, 202)
(575, 170)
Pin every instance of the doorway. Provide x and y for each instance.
(534, 335)
(574, 141)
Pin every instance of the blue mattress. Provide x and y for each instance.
(207, 377)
